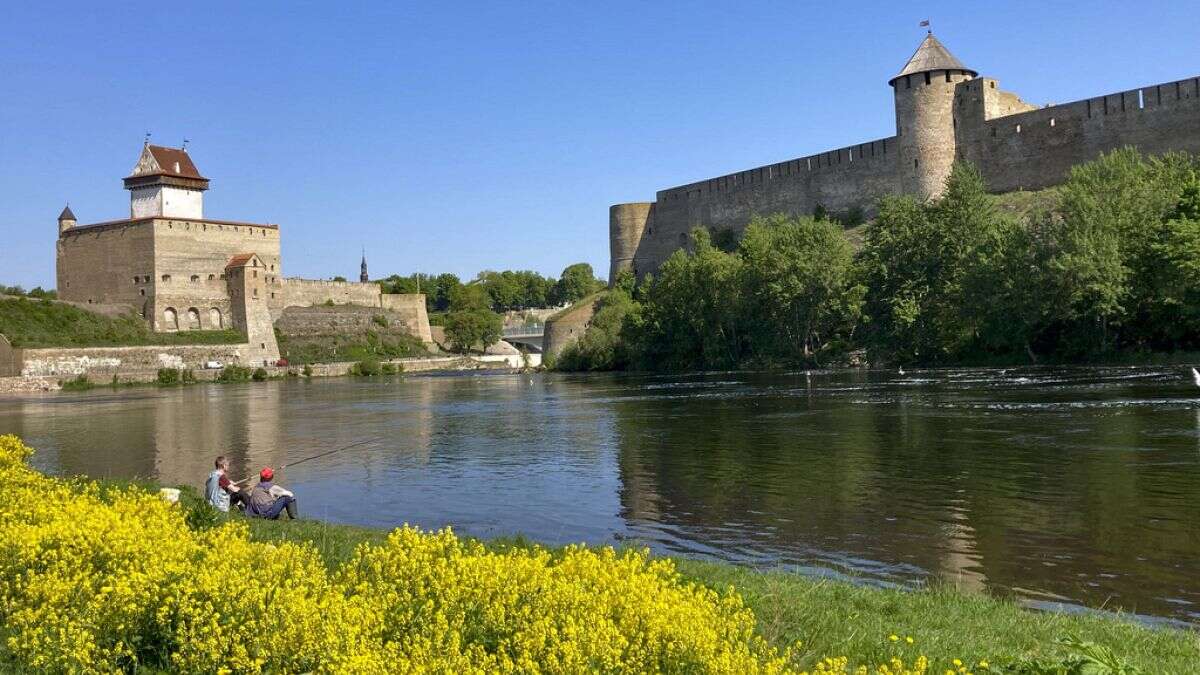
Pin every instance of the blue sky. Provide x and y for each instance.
(460, 136)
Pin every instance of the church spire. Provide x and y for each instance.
(362, 274)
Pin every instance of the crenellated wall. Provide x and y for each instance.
(307, 292)
(941, 116)
(1036, 148)
(839, 180)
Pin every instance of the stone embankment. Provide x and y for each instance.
(43, 382)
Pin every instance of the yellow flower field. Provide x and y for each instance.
(99, 579)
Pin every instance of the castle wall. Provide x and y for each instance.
(109, 264)
(306, 292)
(189, 269)
(102, 363)
(10, 359)
(840, 180)
(1037, 148)
(410, 309)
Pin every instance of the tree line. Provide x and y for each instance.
(507, 290)
(1110, 264)
(468, 311)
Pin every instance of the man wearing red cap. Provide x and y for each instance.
(268, 500)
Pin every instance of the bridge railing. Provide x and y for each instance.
(527, 329)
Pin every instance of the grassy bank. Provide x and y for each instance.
(32, 323)
(105, 576)
(839, 618)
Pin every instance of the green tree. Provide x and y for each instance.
(469, 328)
(602, 346)
(927, 270)
(692, 314)
(576, 283)
(470, 297)
(799, 285)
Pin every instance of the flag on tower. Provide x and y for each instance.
(925, 23)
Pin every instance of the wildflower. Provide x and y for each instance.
(894, 638)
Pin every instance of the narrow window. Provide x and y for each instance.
(993, 84)
(907, 82)
(1018, 128)
(1089, 108)
(927, 77)
(954, 122)
(1158, 94)
(1122, 101)
(136, 279)
(195, 278)
(1178, 92)
(1141, 100)
(211, 277)
(1051, 121)
(947, 76)
(166, 277)
(916, 163)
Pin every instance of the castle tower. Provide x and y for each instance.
(66, 219)
(626, 225)
(925, 124)
(165, 184)
(362, 271)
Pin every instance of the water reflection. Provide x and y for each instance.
(1053, 485)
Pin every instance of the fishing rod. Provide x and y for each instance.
(317, 456)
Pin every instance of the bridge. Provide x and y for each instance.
(530, 336)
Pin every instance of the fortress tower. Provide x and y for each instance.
(925, 125)
(66, 219)
(165, 184)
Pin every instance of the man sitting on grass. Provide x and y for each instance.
(220, 491)
(268, 500)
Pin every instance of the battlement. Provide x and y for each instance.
(944, 113)
(830, 160)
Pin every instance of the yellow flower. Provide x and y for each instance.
(893, 638)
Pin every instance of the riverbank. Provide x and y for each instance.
(114, 540)
(838, 618)
(182, 376)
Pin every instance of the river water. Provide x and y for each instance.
(1062, 487)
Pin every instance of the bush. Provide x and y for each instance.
(260, 375)
(368, 367)
(234, 374)
(119, 581)
(168, 376)
(307, 370)
(80, 383)
(391, 368)
(380, 320)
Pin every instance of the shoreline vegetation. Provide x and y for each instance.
(104, 575)
(1102, 268)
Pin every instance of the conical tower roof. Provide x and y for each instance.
(931, 55)
(66, 213)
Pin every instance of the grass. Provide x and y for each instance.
(836, 618)
(29, 323)
(349, 347)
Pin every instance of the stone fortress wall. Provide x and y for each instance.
(944, 112)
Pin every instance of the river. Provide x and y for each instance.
(1064, 488)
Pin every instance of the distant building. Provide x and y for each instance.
(182, 271)
(944, 112)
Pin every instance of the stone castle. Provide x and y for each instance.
(181, 271)
(944, 112)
